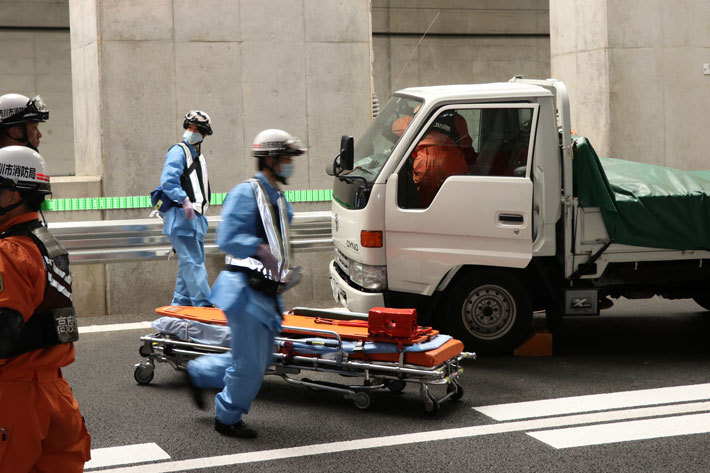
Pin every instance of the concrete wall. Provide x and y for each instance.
(138, 66)
(35, 59)
(469, 41)
(635, 73)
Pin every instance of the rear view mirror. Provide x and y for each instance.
(347, 152)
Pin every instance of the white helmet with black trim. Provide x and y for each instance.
(23, 169)
(200, 119)
(16, 109)
(274, 142)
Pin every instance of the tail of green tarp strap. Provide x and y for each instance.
(143, 201)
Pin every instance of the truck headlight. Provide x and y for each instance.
(369, 277)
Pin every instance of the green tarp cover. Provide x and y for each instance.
(644, 204)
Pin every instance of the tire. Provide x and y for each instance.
(431, 405)
(143, 374)
(361, 400)
(145, 350)
(396, 386)
(454, 387)
(489, 311)
(703, 301)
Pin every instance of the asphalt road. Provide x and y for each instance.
(637, 345)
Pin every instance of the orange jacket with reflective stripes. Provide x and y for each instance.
(24, 279)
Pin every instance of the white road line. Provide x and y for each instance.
(405, 439)
(595, 402)
(625, 431)
(143, 452)
(114, 327)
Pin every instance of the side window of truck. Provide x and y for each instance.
(470, 141)
(503, 141)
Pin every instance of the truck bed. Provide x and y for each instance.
(641, 205)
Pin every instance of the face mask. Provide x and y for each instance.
(192, 137)
(286, 170)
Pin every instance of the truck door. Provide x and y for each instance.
(462, 194)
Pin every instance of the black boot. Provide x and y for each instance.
(198, 394)
(240, 429)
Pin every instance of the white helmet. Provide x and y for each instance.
(199, 119)
(274, 142)
(23, 169)
(16, 109)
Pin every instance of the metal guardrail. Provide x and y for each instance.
(118, 241)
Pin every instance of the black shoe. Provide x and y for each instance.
(198, 394)
(240, 429)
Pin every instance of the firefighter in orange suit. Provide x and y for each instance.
(41, 428)
(446, 150)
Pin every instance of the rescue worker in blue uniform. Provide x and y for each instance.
(254, 235)
(185, 182)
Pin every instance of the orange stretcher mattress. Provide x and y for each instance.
(429, 358)
(206, 315)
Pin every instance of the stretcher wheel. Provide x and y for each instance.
(396, 385)
(431, 406)
(456, 388)
(143, 374)
(361, 400)
(145, 350)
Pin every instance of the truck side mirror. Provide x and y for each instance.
(347, 152)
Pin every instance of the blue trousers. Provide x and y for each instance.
(191, 286)
(239, 373)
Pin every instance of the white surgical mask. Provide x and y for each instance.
(286, 170)
(192, 137)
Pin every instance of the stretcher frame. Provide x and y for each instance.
(375, 375)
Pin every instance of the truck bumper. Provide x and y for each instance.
(351, 297)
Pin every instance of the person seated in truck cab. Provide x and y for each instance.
(445, 150)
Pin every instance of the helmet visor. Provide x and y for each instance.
(36, 107)
(294, 147)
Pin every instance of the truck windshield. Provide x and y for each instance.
(372, 151)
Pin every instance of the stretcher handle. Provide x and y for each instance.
(328, 313)
(336, 335)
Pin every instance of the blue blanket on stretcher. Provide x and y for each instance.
(220, 335)
(317, 346)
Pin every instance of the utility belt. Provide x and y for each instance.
(257, 280)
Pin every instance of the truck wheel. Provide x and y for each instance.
(489, 311)
(703, 301)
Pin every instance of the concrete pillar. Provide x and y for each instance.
(137, 67)
(635, 73)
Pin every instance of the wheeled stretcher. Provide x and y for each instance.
(326, 341)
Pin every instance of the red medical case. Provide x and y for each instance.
(397, 323)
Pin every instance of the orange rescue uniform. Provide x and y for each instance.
(435, 158)
(42, 428)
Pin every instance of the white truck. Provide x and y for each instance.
(500, 240)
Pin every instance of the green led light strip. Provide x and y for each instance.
(143, 201)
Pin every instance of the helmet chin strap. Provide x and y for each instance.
(25, 139)
(279, 178)
(9, 208)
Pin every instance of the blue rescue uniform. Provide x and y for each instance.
(186, 236)
(254, 317)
